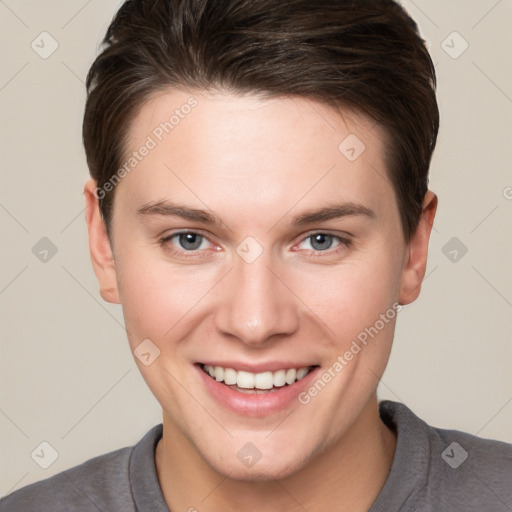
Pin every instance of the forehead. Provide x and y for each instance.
(251, 152)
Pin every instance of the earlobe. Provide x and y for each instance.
(415, 263)
(99, 246)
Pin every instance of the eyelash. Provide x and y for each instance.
(343, 243)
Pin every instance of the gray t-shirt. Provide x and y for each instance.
(434, 470)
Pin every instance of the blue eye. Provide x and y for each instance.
(196, 245)
(186, 241)
(189, 241)
(321, 241)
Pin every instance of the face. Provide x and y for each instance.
(259, 258)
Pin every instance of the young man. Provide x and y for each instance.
(259, 207)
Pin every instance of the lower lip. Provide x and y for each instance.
(263, 404)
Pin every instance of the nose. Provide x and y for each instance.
(256, 305)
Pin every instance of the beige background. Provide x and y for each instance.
(67, 375)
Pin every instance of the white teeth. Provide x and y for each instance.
(301, 373)
(263, 380)
(291, 374)
(245, 380)
(279, 378)
(219, 373)
(230, 376)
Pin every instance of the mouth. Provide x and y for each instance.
(256, 383)
(269, 389)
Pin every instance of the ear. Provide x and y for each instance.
(415, 262)
(100, 249)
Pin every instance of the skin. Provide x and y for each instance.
(257, 164)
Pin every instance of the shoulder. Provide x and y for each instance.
(100, 483)
(108, 482)
(97, 484)
(449, 469)
(479, 469)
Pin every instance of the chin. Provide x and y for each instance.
(262, 471)
(260, 461)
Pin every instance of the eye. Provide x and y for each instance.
(190, 241)
(187, 241)
(323, 242)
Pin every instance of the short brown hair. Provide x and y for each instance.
(364, 54)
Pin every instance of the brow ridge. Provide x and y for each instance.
(329, 212)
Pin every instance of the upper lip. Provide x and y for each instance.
(269, 366)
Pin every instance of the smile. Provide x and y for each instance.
(247, 382)
(268, 389)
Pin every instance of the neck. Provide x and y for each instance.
(346, 477)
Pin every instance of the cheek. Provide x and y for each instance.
(157, 296)
(353, 295)
(162, 301)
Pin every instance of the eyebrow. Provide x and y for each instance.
(164, 208)
(333, 211)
